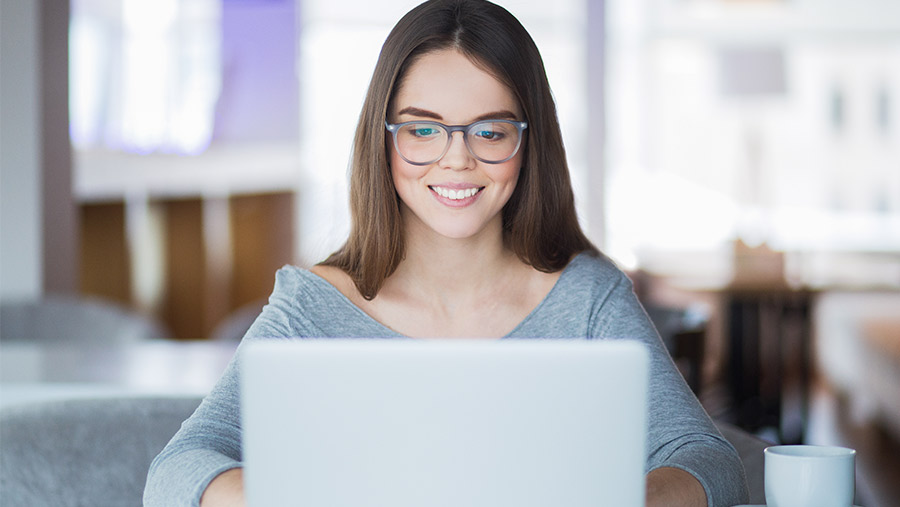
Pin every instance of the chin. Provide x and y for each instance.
(460, 226)
(457, 233)
(460, 230)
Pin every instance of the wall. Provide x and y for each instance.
(38, 246)
(20, 182)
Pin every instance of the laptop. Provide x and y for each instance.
(444, 423)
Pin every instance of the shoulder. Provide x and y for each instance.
(593, 272)
(305, 302)
(295, 285)
(340, 280)
(594, 287)
(591, 281)
(291, 278)
(590, 291)
(333, 275)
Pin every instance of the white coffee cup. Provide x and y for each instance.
(809, 476)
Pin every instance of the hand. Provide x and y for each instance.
(669, 487)
(673, 487)
(226, 490)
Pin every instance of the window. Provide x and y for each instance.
(770, 122)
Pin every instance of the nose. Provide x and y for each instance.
(457, 157)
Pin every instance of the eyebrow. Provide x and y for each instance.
(424, 113)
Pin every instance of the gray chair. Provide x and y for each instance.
(75, 319)
(89, 452)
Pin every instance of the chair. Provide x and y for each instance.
(75, 319)
(84, 452)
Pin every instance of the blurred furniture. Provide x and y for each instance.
(81, 422)
(683, 331)
(75, 319)
(84, 452)
(769, 346)
(769, 330)
(33, 371)
(881, 377)
(192, 253)
(858, 353)
(233, 327)
(98, 451)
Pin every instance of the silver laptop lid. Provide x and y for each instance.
(414, 423)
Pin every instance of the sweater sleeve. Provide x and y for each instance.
(209, 441)
(680, 433)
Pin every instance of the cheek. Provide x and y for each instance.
(403, 172)
(507, 173)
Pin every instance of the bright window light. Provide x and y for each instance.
(145, 74)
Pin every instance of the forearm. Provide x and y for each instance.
(226, 490)
(673, 487)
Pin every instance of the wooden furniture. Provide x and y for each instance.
(187, 240)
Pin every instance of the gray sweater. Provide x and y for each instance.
(591, 299)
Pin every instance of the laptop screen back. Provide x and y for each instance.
(415, 423)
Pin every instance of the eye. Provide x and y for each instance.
(489, 134)
(423, 131)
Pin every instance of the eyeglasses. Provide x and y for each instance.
(426, 142)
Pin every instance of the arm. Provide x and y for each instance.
(208, 444)
(206, 451)
(682, 441)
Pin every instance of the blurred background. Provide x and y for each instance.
(739, 158)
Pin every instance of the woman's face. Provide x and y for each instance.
(457, 196)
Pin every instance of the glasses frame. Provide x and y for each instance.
(393, 128)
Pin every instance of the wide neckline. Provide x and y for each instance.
(372, 321)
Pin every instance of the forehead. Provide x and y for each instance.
(449, 84)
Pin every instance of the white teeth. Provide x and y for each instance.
(456, 195)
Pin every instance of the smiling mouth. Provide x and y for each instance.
(455, 194)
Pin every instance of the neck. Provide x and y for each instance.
(448, 269)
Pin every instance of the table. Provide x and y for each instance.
(37, 372)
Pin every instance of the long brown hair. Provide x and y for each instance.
(539, 220)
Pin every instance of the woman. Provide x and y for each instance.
(464, 225)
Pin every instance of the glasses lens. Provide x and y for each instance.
(493, 141)
(421, 142)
